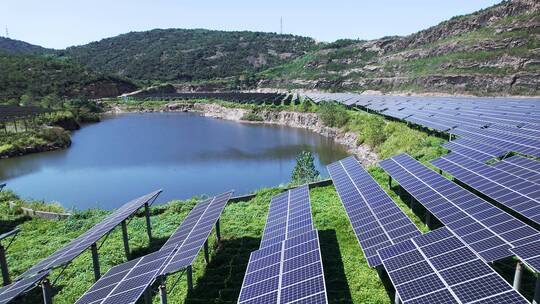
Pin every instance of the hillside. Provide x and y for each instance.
(12, 46)
(39, 76)
(493, 51)
(186, 55)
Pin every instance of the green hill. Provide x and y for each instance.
(493, 51)
(38, 76)
(186, 55)
(13, 46)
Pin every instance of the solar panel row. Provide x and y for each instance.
(376, 220)
(439, 268)
(514, 192)
(488, 230)
(15, 289)
(125, 283)
(80, 244)
(288, 266)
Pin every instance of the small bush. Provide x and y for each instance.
(304, 171)
(333, 114)
(251, 116)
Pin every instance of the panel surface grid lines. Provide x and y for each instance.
(126, 283)
(290, 271)
(530, 254)
(67, 253)
(512, 191)
(15, 289)
(376, 220)
(488, 230)
(438, 267)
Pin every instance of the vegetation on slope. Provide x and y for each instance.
(39, 76)
(186, 55)
(13, 46)
(492, 51)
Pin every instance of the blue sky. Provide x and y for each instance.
(61, 23)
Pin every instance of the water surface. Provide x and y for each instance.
(184, 154)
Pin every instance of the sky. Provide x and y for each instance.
(62, 23)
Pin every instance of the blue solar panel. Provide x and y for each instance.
(485, 228)
(80, 244)
(125, 283)
(376, 220)
(514, 192)
(475, 150)
(288, 266)
(522, 167)
(15, 289)
(530, 254)
(440, 268)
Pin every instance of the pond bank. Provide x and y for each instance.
(309, 121)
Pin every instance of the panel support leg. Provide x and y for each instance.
(397, 300)
(163, 292)
(389, 182)
(4, 266)
(218, 231)
(125, 238)
(428, 219)
(47, 293)
(95, 261)
(148, 223)
(536, 299)
(206, 255)
(518, 275)
(189, 274)
(148, 295)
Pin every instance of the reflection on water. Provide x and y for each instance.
(185, 154)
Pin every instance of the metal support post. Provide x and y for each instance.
(536, 299)
(218, 231)
(163, 292)
(4, 266)
(148, 223)
(428, 219)
(206, 255)
(125, 238)
(397, 300)
(189, 274)
(389, 182)
(47, 293)
(518, 275)
(148, 295)
(95, 261)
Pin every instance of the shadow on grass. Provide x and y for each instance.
(223, 276)
(6, 226)
(337, 286)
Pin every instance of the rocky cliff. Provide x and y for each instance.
(493, 51)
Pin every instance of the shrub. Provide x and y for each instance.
(333, 114)
(304, 171)
(251, 116)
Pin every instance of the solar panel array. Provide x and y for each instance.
(512, 191)
(439, 268)
(288, 266)
(488, 230)
(80, 244)
(376, 220)
(525, 168)
(11, 113)
(125, 283)
(15, 289)
(240, 97)
(475, 150)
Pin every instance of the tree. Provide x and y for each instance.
(304, 171)
(27, 100)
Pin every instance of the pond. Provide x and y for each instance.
(185, 154)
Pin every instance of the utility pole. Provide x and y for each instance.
(281, 25)
(7, 32)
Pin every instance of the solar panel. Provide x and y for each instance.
(506, 142)
(488, 230)
(125, 283)
(439, 268)
(430, 123)
(290, 271)
(475, 150)
(530, 254)
(516, 193)
(80, 244)
(522, 167)
(15, 289)
(289, 214)
(376, 220)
